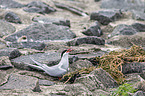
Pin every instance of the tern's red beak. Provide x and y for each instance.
(69, 50)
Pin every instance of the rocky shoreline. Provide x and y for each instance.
(42, 29)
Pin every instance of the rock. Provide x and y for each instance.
(4, 78)
(5, 63)
(133, 67)
(72, 9)
(10, 4)
(12, 17)
(6, 51)
(139, 93)
(2, 44)
(138, 15)
(97, 79)
(14, 54)
(32, 45)
(24, 62)
(16, 81)
(42, 32)
(6, 28)
(56, 21)
(46, 82)
(123, 4)
(77, 90)
(38, 7)
(106, 16)
(37, 88)
(94, 30)
(128, 40)
(123, 29)
(141, 85)
(80, 64)
(139, 26)
(86, 40)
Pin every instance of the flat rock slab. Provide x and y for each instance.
(23, 62)
(57, 21)
(5, 63)
(43, 31)
(38, 7)
(97, 79)
(123, 29)
(139, 26)
(128, 40)
(106, 16)
(86, 40)
(20, 82)
(46, 82)
(6, 28)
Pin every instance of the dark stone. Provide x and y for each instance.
(123, 29)
(134, 67)
(70, 8)
(14, 54)
(86, 40)
(93, 31)
(39, 7)
(12, 17)
(52, 20)
(41, 32)
(138, 15)
(106, 16)
(10, 4)
(6, 28)
(123, 4)
(45, 82)
(139, 26)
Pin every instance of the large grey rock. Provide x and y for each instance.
(41, 32)
(106, 16)
(16, 81)
(12, 17)
(123, 29)
(10, 4)
(56, 21)
(97, 79)
(123, 4)
(6, 28)
(46, 82)
(86, 40)
(39, 7)
(128, 40)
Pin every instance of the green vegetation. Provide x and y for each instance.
(123, 90)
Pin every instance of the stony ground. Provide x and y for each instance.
(44, 36)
